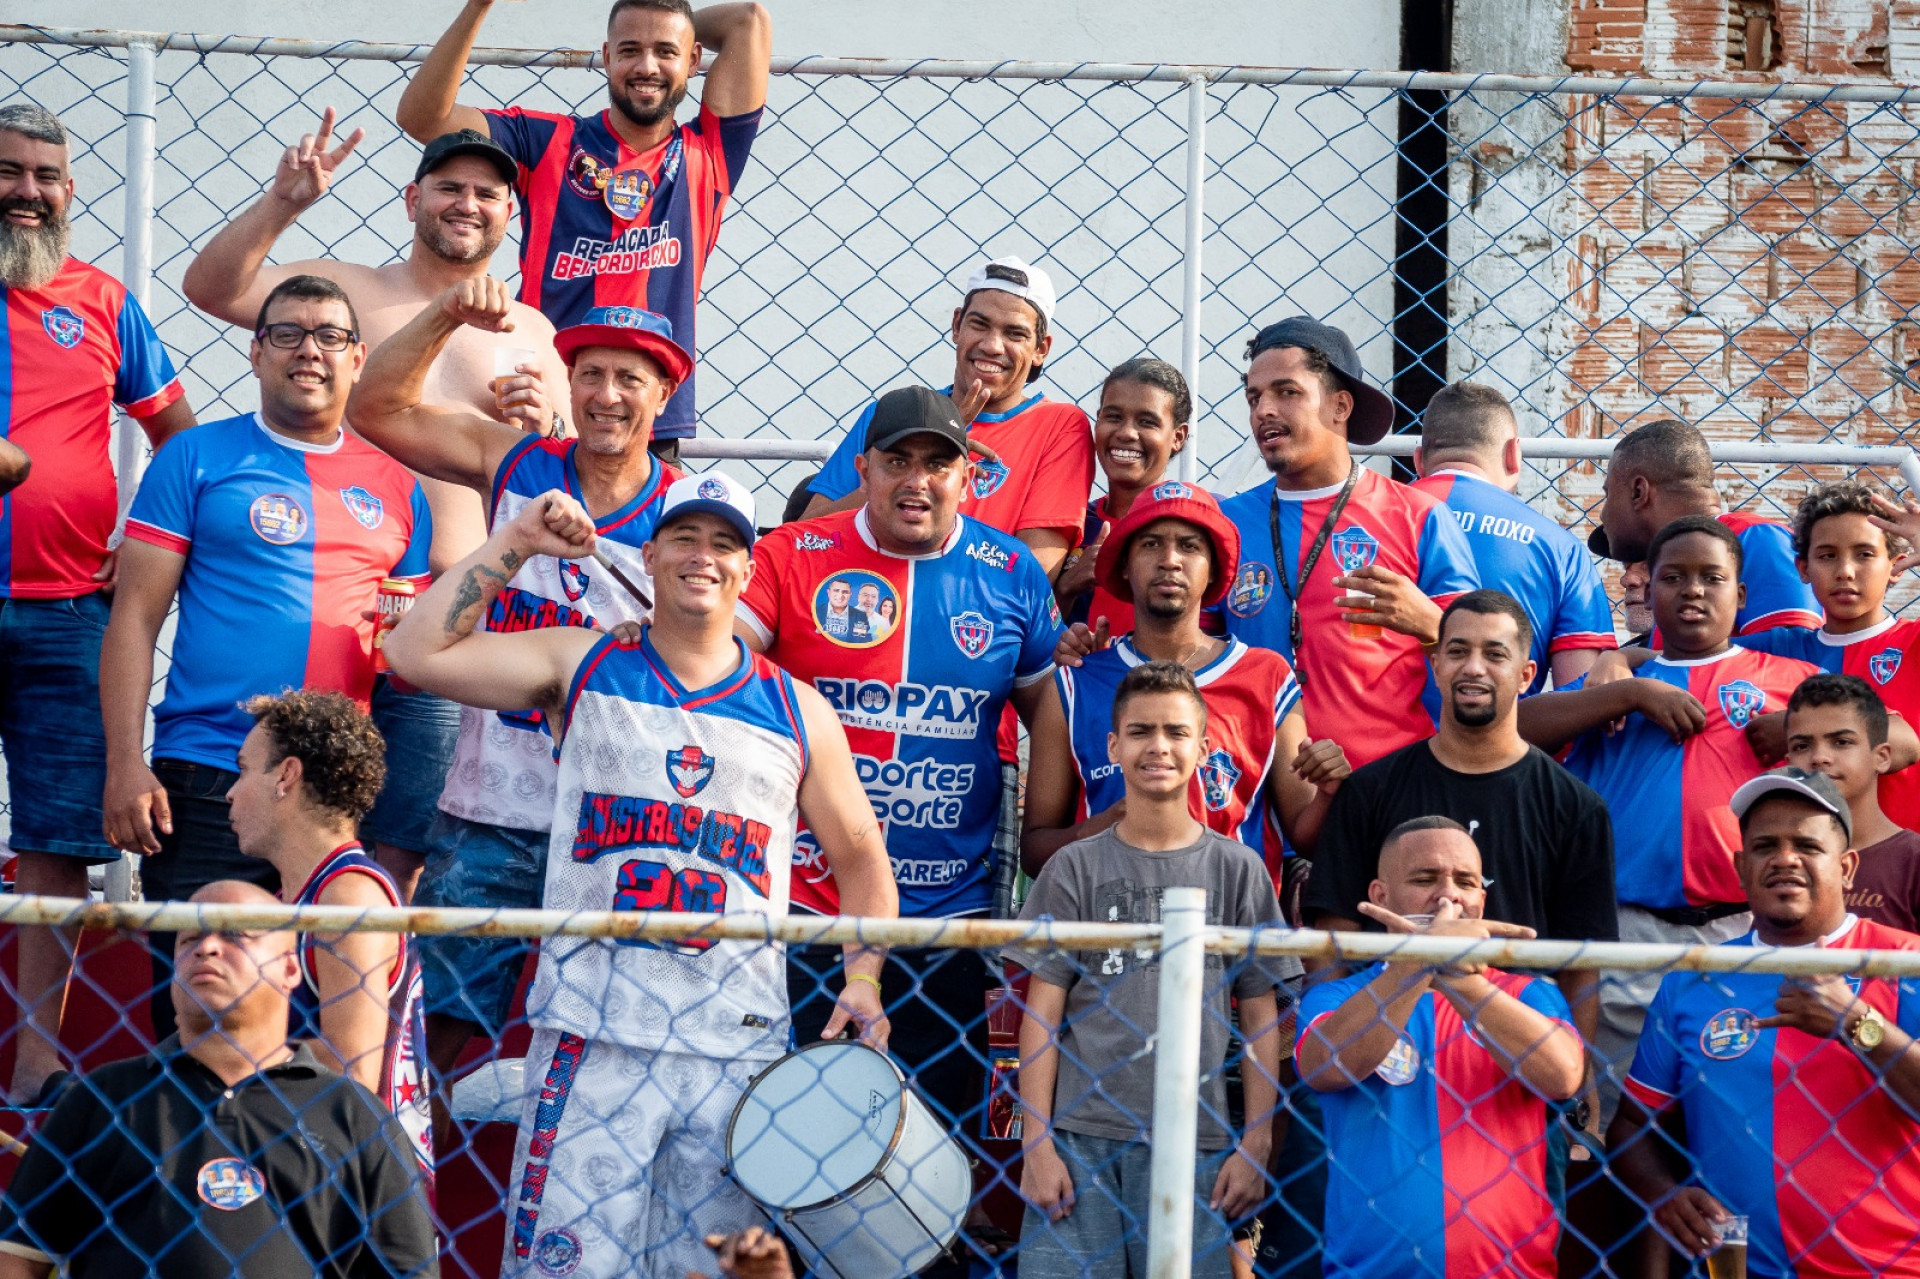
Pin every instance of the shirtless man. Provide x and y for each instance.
(459, 202)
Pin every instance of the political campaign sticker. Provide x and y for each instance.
(63, 326)
(1729, 1033)
(1884, 665)
(364, 507)
(229, 1184)
(1740, 701)
(278, 518)
(1252, 586)
(586, 174)
(1402, 1063)
(627, 193)
(856, 609)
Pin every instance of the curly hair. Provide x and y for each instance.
(1848, 497)
(343, 754)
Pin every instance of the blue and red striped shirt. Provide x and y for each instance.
(604, 225)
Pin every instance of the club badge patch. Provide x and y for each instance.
(1354, 548)
(364, 507)
(1218, 776)
(63, 326)
(972, 632)
(1401, 1065)
(573, 580)
(557, 1252)
(1740, 701)
(712, 490)
(1252, 586)
(229, 1184)
(278, 518)
(1729, 1033)
(988, 476)
(856, 608)
(689, 769)
(1884, 665)
(587, 175)
(1171, 490)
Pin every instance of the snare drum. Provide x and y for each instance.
(861, 1176)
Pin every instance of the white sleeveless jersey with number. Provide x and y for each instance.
(503, 770)
(678, 800)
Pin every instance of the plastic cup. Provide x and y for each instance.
(1729, 1259)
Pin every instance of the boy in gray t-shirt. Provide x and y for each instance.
(1086, 1072)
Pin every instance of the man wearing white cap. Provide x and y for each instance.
(1037, 459)
(686, 763)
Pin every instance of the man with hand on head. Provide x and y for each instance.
(1172, 554)
(642, 1050)
(77, 344)
(1790, 1101)
(487, 846)
(226, 1150)
(622, 208)
(273, 530)
(1393, 1049)
(459, 202)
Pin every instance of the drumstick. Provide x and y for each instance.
(11, 1144)
(600, 558)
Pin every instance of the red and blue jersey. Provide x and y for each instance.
(1674, 834)
(604, 225)
(1042, 480)
(1793, 1132)
(1523, 553)
(917, 656)
(1098, 602)
(1775, 594)
(285, 545)
(1248, 691)
(1437, 1162)
(1877, 655)
(69, 352)
(1373, 695)
(403, 1067)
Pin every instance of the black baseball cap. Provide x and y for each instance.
(915, 410)
(466, 142)
(1372, 409)
(1816, 788)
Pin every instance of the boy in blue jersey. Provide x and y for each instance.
(1086, 1074)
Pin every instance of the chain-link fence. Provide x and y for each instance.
(1070, 1098)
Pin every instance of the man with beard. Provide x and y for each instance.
(487, 845)
(621, 208)
(459, 203)
(74, 345)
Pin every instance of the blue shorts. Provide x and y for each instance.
(56, 751)
(421, 730)
(472, 864)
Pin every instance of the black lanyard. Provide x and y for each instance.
(1311, 558)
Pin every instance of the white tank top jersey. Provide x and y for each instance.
(679, 800)
(503, 770)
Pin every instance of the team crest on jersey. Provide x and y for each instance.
(229, 1184)
(278, 518)
(364, 507)
(1740, 701)
(1354, 548)
(1171, 490)
(1251, 587)
(1729, 1033)
(627, 193)
(988, 476)
(63, 326)
(1401, 1066)
(587, 175)
(573, 580)
(1884, 665)
(856, 608)
(972, 632)
(557, 1252)
(689, 769)
(1218, 776)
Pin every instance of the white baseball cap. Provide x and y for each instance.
(1011, 275)
(715, 492)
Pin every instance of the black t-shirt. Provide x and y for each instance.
(155, 1166)
(1546, 842)
(1886, 888)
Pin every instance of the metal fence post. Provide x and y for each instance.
(1176, 1082)
(1193, 279)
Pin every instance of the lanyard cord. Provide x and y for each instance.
(1307, 563)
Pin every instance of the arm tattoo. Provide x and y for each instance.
(480, 584)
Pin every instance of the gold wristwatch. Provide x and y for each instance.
(1869, 1032)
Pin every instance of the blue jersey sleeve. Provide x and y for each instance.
(1781, 641)
(1545, 997)
(1775, 594)
(521, 134)
(163, 509)
(838, 477)
(1908, 1015)
(1584, 617)
(1042, 623)
(1446, 560)
(735, 135)
(145, 368)
(413, 563)
(1656, 1060)
(1327, 996)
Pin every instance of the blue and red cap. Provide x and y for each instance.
(628, 328)
(1171, 500)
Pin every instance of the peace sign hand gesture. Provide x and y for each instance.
(306, 169)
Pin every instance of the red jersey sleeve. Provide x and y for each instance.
(1063, 478)
(759, 604)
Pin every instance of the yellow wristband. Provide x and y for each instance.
(868, 978)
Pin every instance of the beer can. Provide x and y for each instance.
(395, 597)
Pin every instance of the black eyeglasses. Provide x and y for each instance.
(288, 337)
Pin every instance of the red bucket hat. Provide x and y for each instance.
(1175, 500)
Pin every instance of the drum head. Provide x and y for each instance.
(814, 1124)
